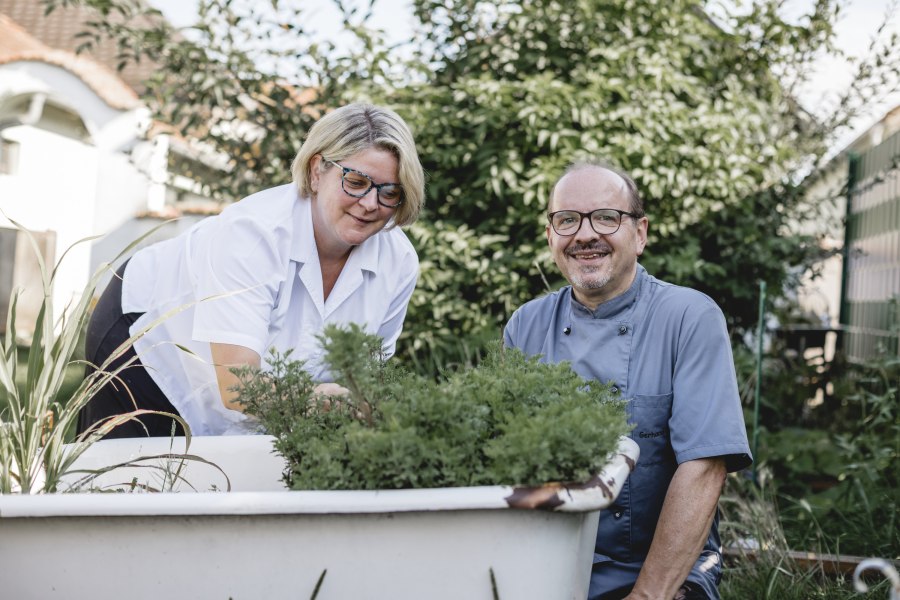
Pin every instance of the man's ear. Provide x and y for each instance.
(641, 228)
(547, 231)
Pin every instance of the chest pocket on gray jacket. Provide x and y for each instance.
(627, 528)
(650, 417)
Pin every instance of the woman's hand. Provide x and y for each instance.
(324, 392)
(330, 389)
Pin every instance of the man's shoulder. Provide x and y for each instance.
(542, 306)
(528, 325)
(678, 298)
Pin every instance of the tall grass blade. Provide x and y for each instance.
(33, 450)
(176, 476)
(315, 593)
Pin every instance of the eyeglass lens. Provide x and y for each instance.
(603, 220)
(358, 185)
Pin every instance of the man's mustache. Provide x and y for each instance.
(591, 247)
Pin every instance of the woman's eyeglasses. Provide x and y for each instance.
(358, 184)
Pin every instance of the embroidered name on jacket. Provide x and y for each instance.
(651, 434)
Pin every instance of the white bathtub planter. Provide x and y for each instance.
(262, 541)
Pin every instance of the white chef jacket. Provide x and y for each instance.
(250, 276)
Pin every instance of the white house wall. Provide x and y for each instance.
(75, 188)
(55, 189)
(821, 296)
(122, 189)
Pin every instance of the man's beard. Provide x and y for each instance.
(591, 277)
(594, 280)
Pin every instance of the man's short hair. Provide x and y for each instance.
(635, 202)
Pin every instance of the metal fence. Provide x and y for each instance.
(869, 308)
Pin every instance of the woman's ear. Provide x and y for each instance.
(315, 165)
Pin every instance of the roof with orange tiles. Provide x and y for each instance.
(60, 28)
(17, 45)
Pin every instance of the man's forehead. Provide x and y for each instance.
(594, 174)
(591, 182)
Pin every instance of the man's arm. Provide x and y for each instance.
(682, 530)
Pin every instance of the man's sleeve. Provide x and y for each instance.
(509, 332)
(707, 418)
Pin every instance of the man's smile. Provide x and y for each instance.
(587, 253)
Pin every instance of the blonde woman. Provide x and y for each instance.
(270, 271)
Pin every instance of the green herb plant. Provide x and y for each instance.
(511, 420)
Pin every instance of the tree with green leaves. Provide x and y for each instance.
(698, 108)
(695, 99)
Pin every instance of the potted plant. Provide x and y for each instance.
(479, 447)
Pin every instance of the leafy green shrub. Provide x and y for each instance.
(839, 476)
(835, 460)
(512, 420)
(753, 519)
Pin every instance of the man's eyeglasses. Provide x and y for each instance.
(358, 184)
(604, 221)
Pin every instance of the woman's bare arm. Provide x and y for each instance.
(225, 357)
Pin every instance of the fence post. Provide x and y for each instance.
(759, 354)
(852, 174)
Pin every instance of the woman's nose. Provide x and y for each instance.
(370, 200)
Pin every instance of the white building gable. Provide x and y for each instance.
(73, 160)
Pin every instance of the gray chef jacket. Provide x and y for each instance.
(666, 350)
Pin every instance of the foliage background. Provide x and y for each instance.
(693, 112)
(694, 98)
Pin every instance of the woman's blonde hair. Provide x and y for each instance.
(357, 127)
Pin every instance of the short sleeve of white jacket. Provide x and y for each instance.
(239, 265)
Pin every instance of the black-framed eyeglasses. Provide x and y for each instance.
(358, 184)
(604, 221)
